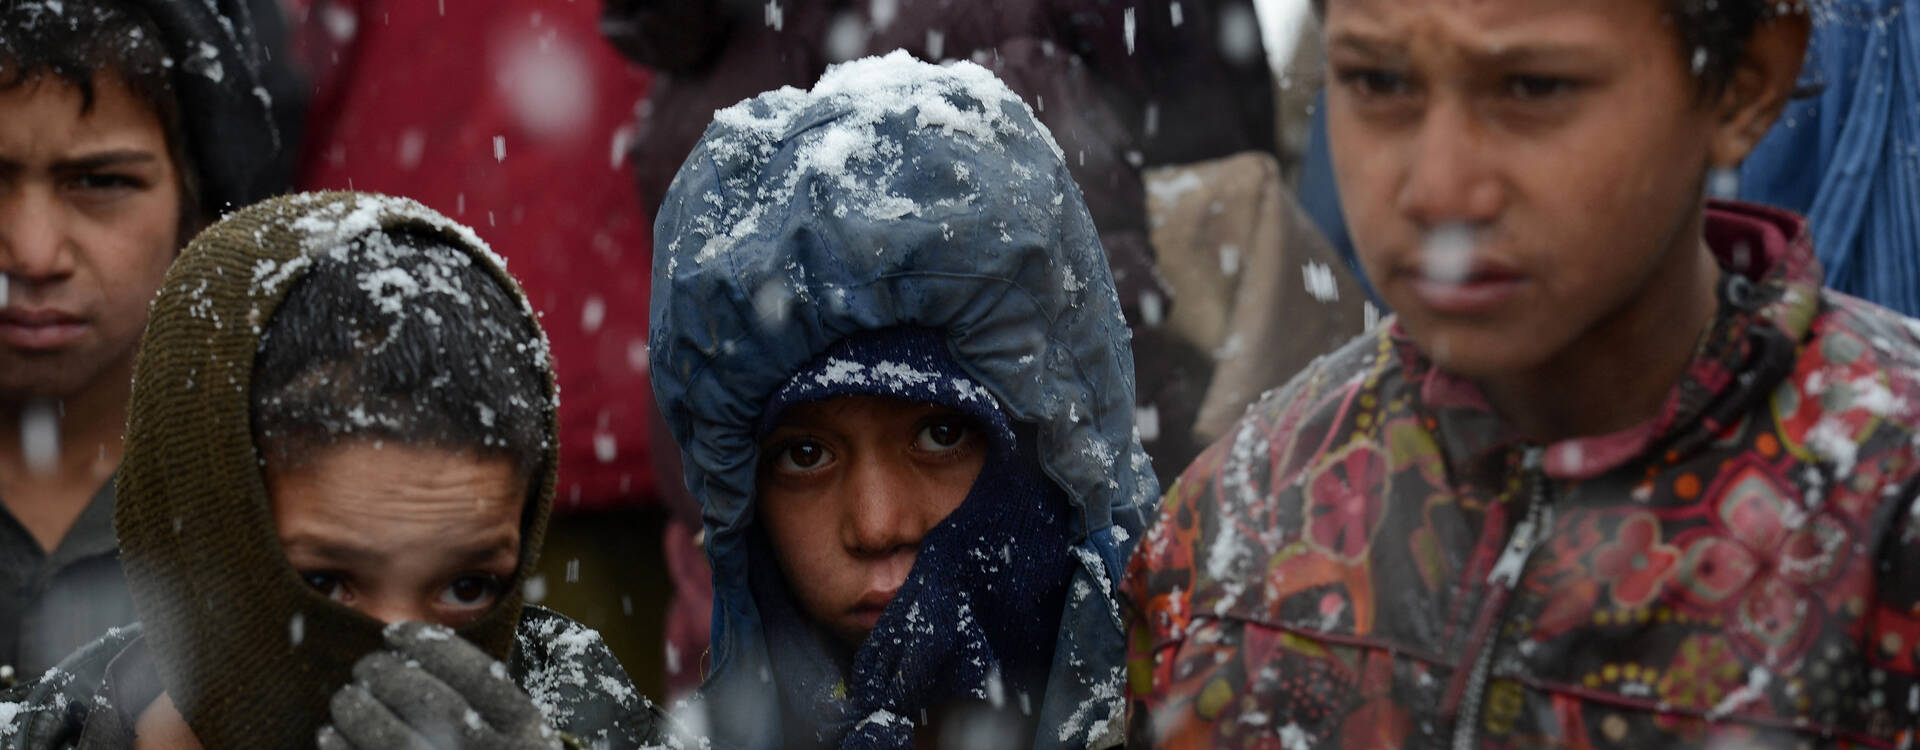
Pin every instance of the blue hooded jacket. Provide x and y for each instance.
(897, 193)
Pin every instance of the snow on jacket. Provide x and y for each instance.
(897, 193)
(1356, 564)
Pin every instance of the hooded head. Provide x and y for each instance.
(200, 67)
(897, 195)
(288, 332)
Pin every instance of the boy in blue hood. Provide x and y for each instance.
(887, 340)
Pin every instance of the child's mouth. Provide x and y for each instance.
(872, 605)
(1476, 295)
(1452, 277)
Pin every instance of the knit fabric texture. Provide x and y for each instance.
(975, 619)
(248, 652)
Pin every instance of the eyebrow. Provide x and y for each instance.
(340, 552)
(1510, 55)
(92, 162)
(105, 159)
(1362, 45)
(331, 550)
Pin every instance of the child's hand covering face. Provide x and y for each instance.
(847, 488)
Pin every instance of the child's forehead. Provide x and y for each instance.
(1496, 25)
(857, 407)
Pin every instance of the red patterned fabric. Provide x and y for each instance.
(510, 116)
(1739, 572)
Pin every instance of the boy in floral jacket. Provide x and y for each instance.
(1618, 474)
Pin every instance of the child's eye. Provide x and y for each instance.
(105, 181)
(1374, 82)
(1532, 87)
(471, 591)
(941, 436)
(331, 585)
(801, 457)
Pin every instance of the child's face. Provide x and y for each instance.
(847, 488)
(1515, 172)
(89, 221)
(401, 533)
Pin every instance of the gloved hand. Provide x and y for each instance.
(432, 690)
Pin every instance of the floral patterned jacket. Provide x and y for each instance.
(1364, 561)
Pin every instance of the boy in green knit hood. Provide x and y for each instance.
(339, 465)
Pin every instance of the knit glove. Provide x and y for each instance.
(432, 690)
(977, 617)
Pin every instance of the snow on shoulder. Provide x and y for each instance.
(837, 126)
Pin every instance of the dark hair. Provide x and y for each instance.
(75, 42)
(401, 337)
(1713, 34)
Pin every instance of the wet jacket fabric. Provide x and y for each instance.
(95, 696)
(58, 601)
(1366, 562)
(897, 193)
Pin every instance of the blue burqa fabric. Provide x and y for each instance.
(1849, 158)
(897, 193)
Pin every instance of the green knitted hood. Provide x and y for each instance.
(248, 652)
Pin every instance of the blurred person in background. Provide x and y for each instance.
(125, 127)
(1842, 154)
(513, 116)
(888, 344)
(1618, 472)
(339, 468)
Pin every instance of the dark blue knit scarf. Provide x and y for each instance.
(976, 620)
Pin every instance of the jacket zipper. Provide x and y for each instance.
(1527, 536)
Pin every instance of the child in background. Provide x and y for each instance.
(1618, 474)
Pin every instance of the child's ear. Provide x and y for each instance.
(1761, 85)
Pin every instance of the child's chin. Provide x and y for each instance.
(1477, 353)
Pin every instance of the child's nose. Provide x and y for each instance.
(398, 609)
(33, 237)
(883, 513)
(1448, 176)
